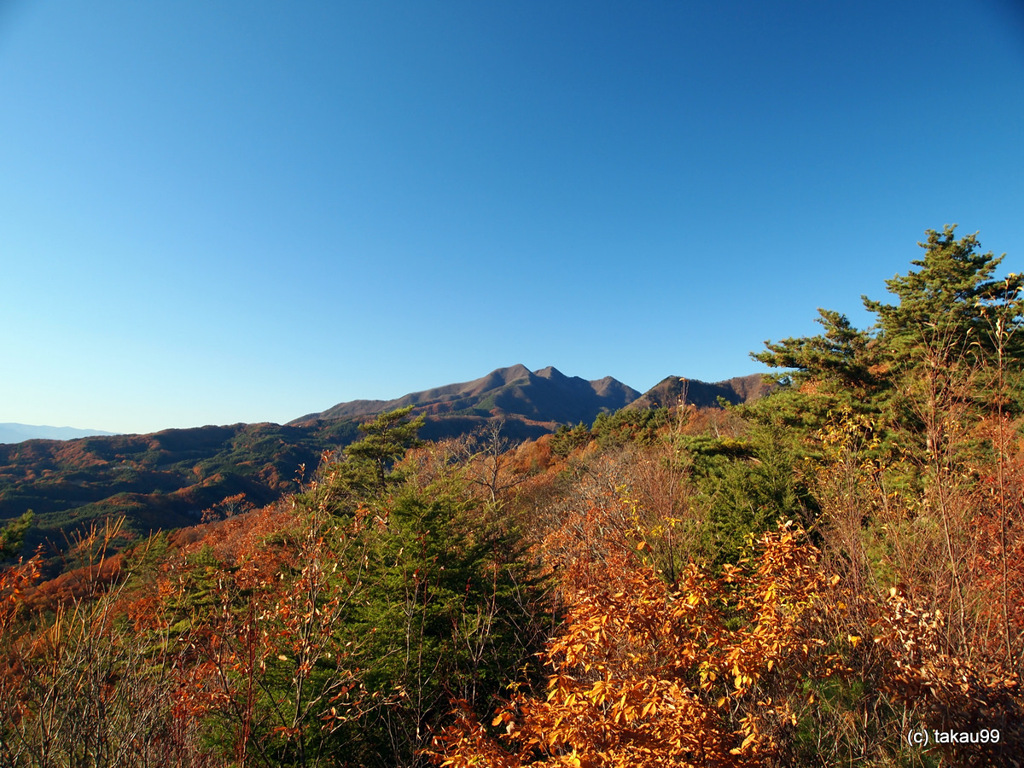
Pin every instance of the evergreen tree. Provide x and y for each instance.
(12, 536)
(840, 359)
(445, 615)
(948, 310)
(370, 460)
(443, 596)
(952, 316)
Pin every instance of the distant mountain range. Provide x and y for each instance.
(16, 433)
(166, 479)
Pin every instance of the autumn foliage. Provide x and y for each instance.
(804, 581)
(646, 673)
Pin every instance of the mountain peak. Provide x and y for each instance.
(537, 400)
(510, 374)
(550, 373)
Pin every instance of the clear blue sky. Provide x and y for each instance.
(214, 212)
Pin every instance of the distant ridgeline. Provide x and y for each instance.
(17, 433)
(167, 479)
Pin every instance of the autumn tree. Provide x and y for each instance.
(648, 675)
(487, 456)
(81, 686)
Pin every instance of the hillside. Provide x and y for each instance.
(157, 481)
(167, 479)
(793, 583)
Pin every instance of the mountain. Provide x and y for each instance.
(167, 479)
(671, 390)
(535, 401)
(531, 402)
(16, 433)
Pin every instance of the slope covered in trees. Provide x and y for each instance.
(170, 479)
(817, 578)
(158, 481)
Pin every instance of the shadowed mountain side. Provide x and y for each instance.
(546, 396)
(671, 390)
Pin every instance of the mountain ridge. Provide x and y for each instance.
(545, 397)
(167, 479)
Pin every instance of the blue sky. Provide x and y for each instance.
(214, 212)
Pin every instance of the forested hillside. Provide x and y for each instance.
(155, 482)
(832, 574)
(175, 478)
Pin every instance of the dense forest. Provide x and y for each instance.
(832, 574)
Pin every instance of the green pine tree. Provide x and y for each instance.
(387, 439)
(12, 536)
(952, 319)
(948, 309)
